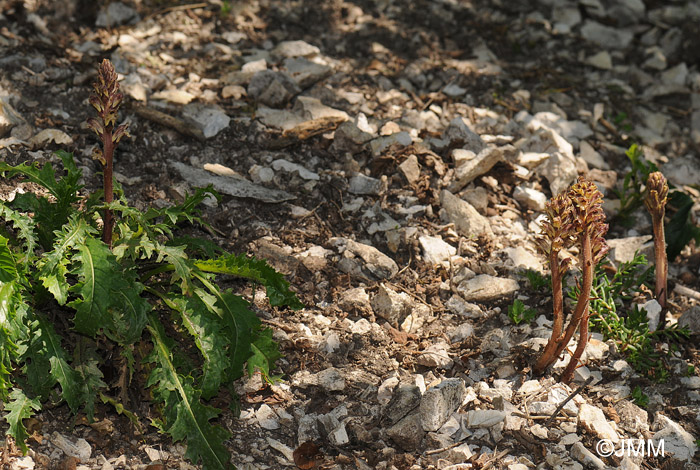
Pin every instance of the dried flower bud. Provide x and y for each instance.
(657, 192)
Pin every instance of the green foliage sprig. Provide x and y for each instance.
(631, 195)
(538, 281)
(518, 313)
(626, 324)
(68, 301)
(640, 398)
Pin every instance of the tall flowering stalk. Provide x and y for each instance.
(574, 217)
(106, 99)
(657, 194)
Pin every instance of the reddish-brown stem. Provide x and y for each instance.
(557, 295)
(657, 193)
(556, 345)
(568, 374)
(108, 152)
(661, 268)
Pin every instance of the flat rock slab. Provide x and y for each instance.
(477, 166)
(377, 265)
(483, 418)
(232, 186)
(466, 218)
(485, 287)
(593, 420)
(439, 402)
(408, 432)
(209, 118)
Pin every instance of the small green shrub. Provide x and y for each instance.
(70, 307)
(628, 326)
(639, 397)
(631, 194)
(538, 281)
(518, 313)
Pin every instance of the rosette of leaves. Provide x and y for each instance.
(575, 217)
(73, 310)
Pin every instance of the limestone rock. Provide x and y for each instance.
(439, 402)
(484, 288)
(467, 220)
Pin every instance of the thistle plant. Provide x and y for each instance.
(655, 201)
(574, 217)
(106, 100)
(74, 305)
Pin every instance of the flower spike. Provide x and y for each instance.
(106, 100)
(655, 201)
(573, 217)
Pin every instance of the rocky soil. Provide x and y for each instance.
(393, 159)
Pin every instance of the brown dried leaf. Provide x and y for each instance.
(307, 456)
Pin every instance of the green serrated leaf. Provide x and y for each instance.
(240, 324)
(205, 328)
(265, 353)
(20, 407)
(119, 408)
(197, 245)
(53, 264)
(182, 267)
(8, 265)
(8, 348)
(91, 382)
(256, 270)
(25, 227)
(184, 416)
(96, 267)
(110, 295)
(49, 216)
(46, 363)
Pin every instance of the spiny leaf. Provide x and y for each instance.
(110, 295)
(205, 328)
(8, 348)
(91, 382)
(129, 310)
(25, 229)
(239, 322)
(188, 209)
(95, 266)
(48, 364)
(176, 256)
(63, 189)
(197, 245)
(8, 266)
(185, 417)
(119, 408)
(265, 353)
(256, 270)
(53, 265)
(20, 407)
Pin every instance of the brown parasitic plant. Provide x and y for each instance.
(574, 217)
(657, 194)
(106, 99)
